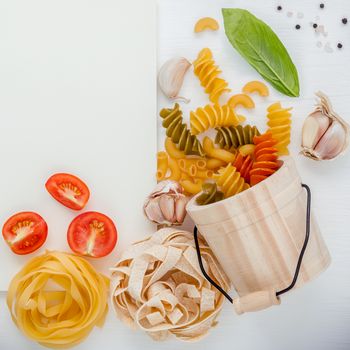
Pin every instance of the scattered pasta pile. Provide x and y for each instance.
(158, 286)
(238, 157)
(57, 299)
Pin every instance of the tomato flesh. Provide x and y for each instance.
(25, 232)
(92, 234)
(69, 190)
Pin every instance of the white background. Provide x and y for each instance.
(77, 93)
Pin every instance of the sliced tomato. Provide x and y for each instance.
(69, 190)
(92, 234)
(25, 232)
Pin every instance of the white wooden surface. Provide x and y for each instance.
(92, 47)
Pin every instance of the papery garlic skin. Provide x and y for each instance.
(325, 135)
(166, 205)
(171, 76)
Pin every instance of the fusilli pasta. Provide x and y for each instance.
(178, 131)
(265, 158)
(243, 164)
(207, 72)
(212, 116)
(279, 123)
(230, 181)
(235, 136)
(210, 194)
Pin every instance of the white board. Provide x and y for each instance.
(77, 95)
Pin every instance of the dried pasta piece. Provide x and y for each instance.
(266, 158)
(256, 86)
(192, 186)
(279, 123)
(175, 172)
(172, 150)
(244, 164)
(204, 174)
(206, 23)
(158, 287)
(178, 132)
(241, 100)
(56, 299)
(230, 181)
(162, 165)
(187, 166)
(247, 149)
(205, 69)
(212, 116)
(213, 163)
(210, 194)
(218, 153)
(235, 136)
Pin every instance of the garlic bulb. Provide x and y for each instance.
(171, 76)
(166, 205)
(325, 135)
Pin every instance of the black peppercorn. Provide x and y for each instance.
(322, 6)
(315, 25)
(339, 46)
(279, 8)
(344, 20)
(297, 26)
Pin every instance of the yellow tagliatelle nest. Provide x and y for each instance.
(57, 299)
(158, 287)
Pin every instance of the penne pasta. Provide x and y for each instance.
(172, 150)
(192, 187)
(218, 153)
(162, 165)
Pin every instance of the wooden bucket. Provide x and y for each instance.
(257, 237)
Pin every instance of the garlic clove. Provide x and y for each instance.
(180, 209)
(171, 76)
(332, 142)
(315, 125)
(167, 207)
(325, 134)
(152, 210)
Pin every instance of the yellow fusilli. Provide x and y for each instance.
(279, 123)
(213, 116)
(207, 72)
(230, 181)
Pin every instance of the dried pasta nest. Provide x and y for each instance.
(157, 286)
(57, 299)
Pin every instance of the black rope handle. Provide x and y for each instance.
(300, 259)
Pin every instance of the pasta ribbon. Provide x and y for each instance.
(279, 123)
(217, 153)
(212, 116)
(230, 181)
(159, 288)
(256, 86)
(266, 158)
(235, 136)
(210, 194)
(57, 299)
(178, 132)
(207, 72)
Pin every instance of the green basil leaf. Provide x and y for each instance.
(262, 49)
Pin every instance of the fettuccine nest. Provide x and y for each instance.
(158, 287)
(57, 299)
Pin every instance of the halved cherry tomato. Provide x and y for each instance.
(92, 234)
(68, 190)
(25, 232)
